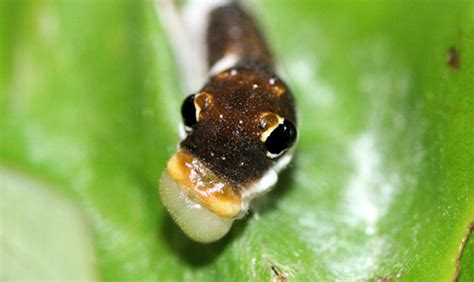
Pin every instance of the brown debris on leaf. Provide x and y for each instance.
(468, 233)
(453, 58)
(278, 274)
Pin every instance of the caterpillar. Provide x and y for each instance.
(238, 129)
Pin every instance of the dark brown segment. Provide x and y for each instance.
(232, 31)
(227, 136)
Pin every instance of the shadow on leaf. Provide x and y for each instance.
(194, 253)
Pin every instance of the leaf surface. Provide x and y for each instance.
(381, 186)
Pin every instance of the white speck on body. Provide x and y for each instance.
(216, 188)
(223, 158)
(271, 81)
(233, 72)
(255, 86)
(221, 116)
(241, 121)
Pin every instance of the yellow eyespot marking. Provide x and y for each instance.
(201, 101)
(278, 90)
(268, 123)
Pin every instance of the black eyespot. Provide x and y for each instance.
(188, 111)
(281, 138)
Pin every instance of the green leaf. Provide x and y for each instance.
(381, 186)
(43, 236)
